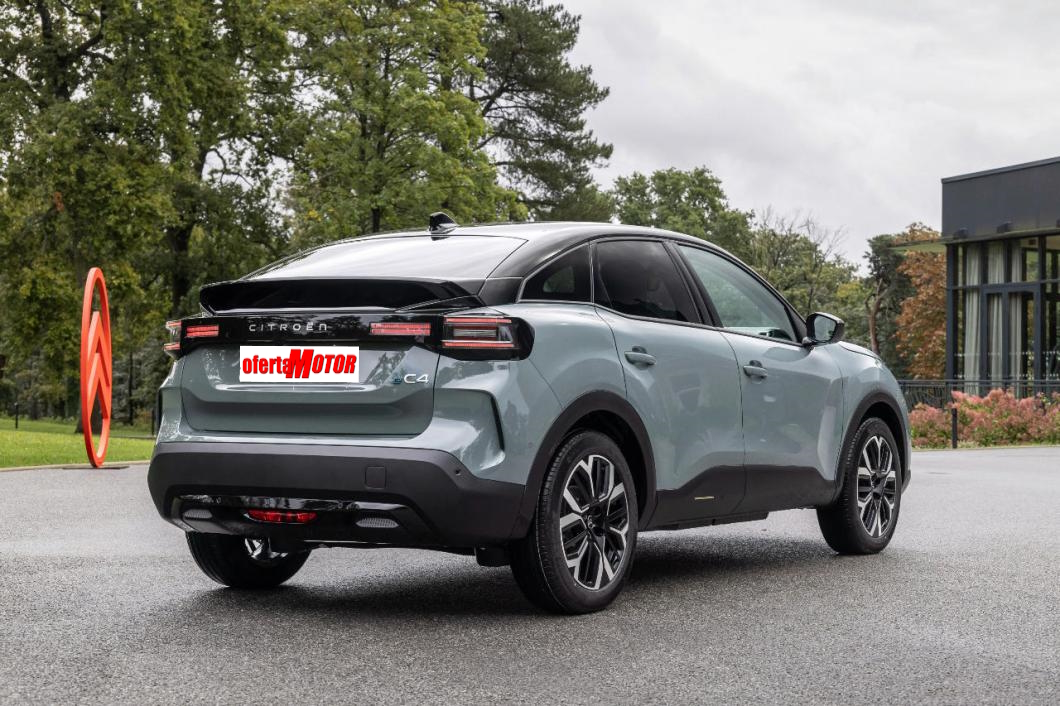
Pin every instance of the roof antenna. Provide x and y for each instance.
(440, 223)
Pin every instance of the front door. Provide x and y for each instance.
(680, 377)
(792, 395)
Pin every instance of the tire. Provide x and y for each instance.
(571, 578)
(229, 560)
(863, 518)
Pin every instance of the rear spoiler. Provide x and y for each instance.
(331, 294)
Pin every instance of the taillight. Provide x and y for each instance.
(400, 328)
(179, 331)
(295, 517)
(479, 332)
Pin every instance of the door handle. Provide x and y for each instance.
(754, 369)
(639, 356)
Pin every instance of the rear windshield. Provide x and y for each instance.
(452, 257)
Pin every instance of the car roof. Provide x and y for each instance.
(545, 239)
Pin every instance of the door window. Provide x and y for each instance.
(639, 278)
(742, 302)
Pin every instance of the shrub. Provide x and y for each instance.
(999, 418)
(929, 426)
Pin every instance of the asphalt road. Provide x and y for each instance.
(100, 603)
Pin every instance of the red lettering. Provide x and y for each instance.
(351, 363)
(300, 362)
(247, 365)
(318, 363)
(327, 362)
(337, 366)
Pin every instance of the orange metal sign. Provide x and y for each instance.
(96, 366)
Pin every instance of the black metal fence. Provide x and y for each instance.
(939, 393)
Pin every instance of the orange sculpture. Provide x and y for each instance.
(96, 365)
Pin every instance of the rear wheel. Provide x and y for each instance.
(579, 550)
(243, 562)
(863, 519)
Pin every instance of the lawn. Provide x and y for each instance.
(49, 441)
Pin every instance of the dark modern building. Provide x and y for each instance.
(1001, 230)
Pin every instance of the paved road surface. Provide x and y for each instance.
(100, 603)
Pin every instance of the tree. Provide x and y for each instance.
(535, 102)
(391, 135)
(690, 202)
(131, 135)
(799, 257)
(922, 321)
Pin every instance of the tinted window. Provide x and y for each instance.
(566, 278)
(741, 301)
(638, 277)
(451, 257)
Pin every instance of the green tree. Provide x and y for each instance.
(535, 102)
(136, 137)
(690, 202)
(391, 135)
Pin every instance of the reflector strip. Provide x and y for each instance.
(173, 326)
(282, 516)
(175, 346)
(478, 344)
(400, 328)
(204, 331)
(489, 320)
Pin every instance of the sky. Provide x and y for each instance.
(848, 110)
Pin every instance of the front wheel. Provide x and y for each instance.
(243, 562)
(863, 519)
(579, 550)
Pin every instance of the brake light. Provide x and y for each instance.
(206, 331)
(400, 328)
(482, 332)
(296, 517)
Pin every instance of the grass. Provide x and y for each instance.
(45, 442)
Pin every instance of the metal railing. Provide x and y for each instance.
(939, 393)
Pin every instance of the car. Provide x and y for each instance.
(535, 395)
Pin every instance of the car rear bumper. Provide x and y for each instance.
(373, 495)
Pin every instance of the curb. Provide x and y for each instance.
(115, 465)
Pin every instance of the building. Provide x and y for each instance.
(1001, 231)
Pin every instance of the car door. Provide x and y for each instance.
(791, 394)
(680, 376)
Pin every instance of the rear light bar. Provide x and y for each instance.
(400, 328)
(290, 517)
(208, 331)
(481, 332)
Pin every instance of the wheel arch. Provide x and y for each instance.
(609, 414)
(885, 407)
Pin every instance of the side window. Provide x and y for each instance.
(639, 277)
(741, 301)
(566, 278)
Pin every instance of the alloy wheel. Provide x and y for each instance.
(877, 486)
(594, 522)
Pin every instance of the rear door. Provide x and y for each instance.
(792, 394)
(680, 376)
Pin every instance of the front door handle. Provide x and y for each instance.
(639, 356)
(754, 369)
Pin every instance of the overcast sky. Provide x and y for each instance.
(848, 109)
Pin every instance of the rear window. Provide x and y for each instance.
(452, 257)
(564, 279)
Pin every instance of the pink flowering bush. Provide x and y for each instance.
(999, 418)
(929, 426)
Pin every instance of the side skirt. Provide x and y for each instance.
(706, 522)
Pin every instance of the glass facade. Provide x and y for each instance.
(1004, 311)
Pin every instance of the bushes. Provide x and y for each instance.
(999, 418)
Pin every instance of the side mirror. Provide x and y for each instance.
(823, 328)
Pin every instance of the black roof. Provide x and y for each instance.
(1007, 202)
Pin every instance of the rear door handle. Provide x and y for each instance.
(639, 356)
(754, 369)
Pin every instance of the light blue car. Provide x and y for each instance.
(533, 394)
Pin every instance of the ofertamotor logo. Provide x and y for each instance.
(293, 364)
(95, 365)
